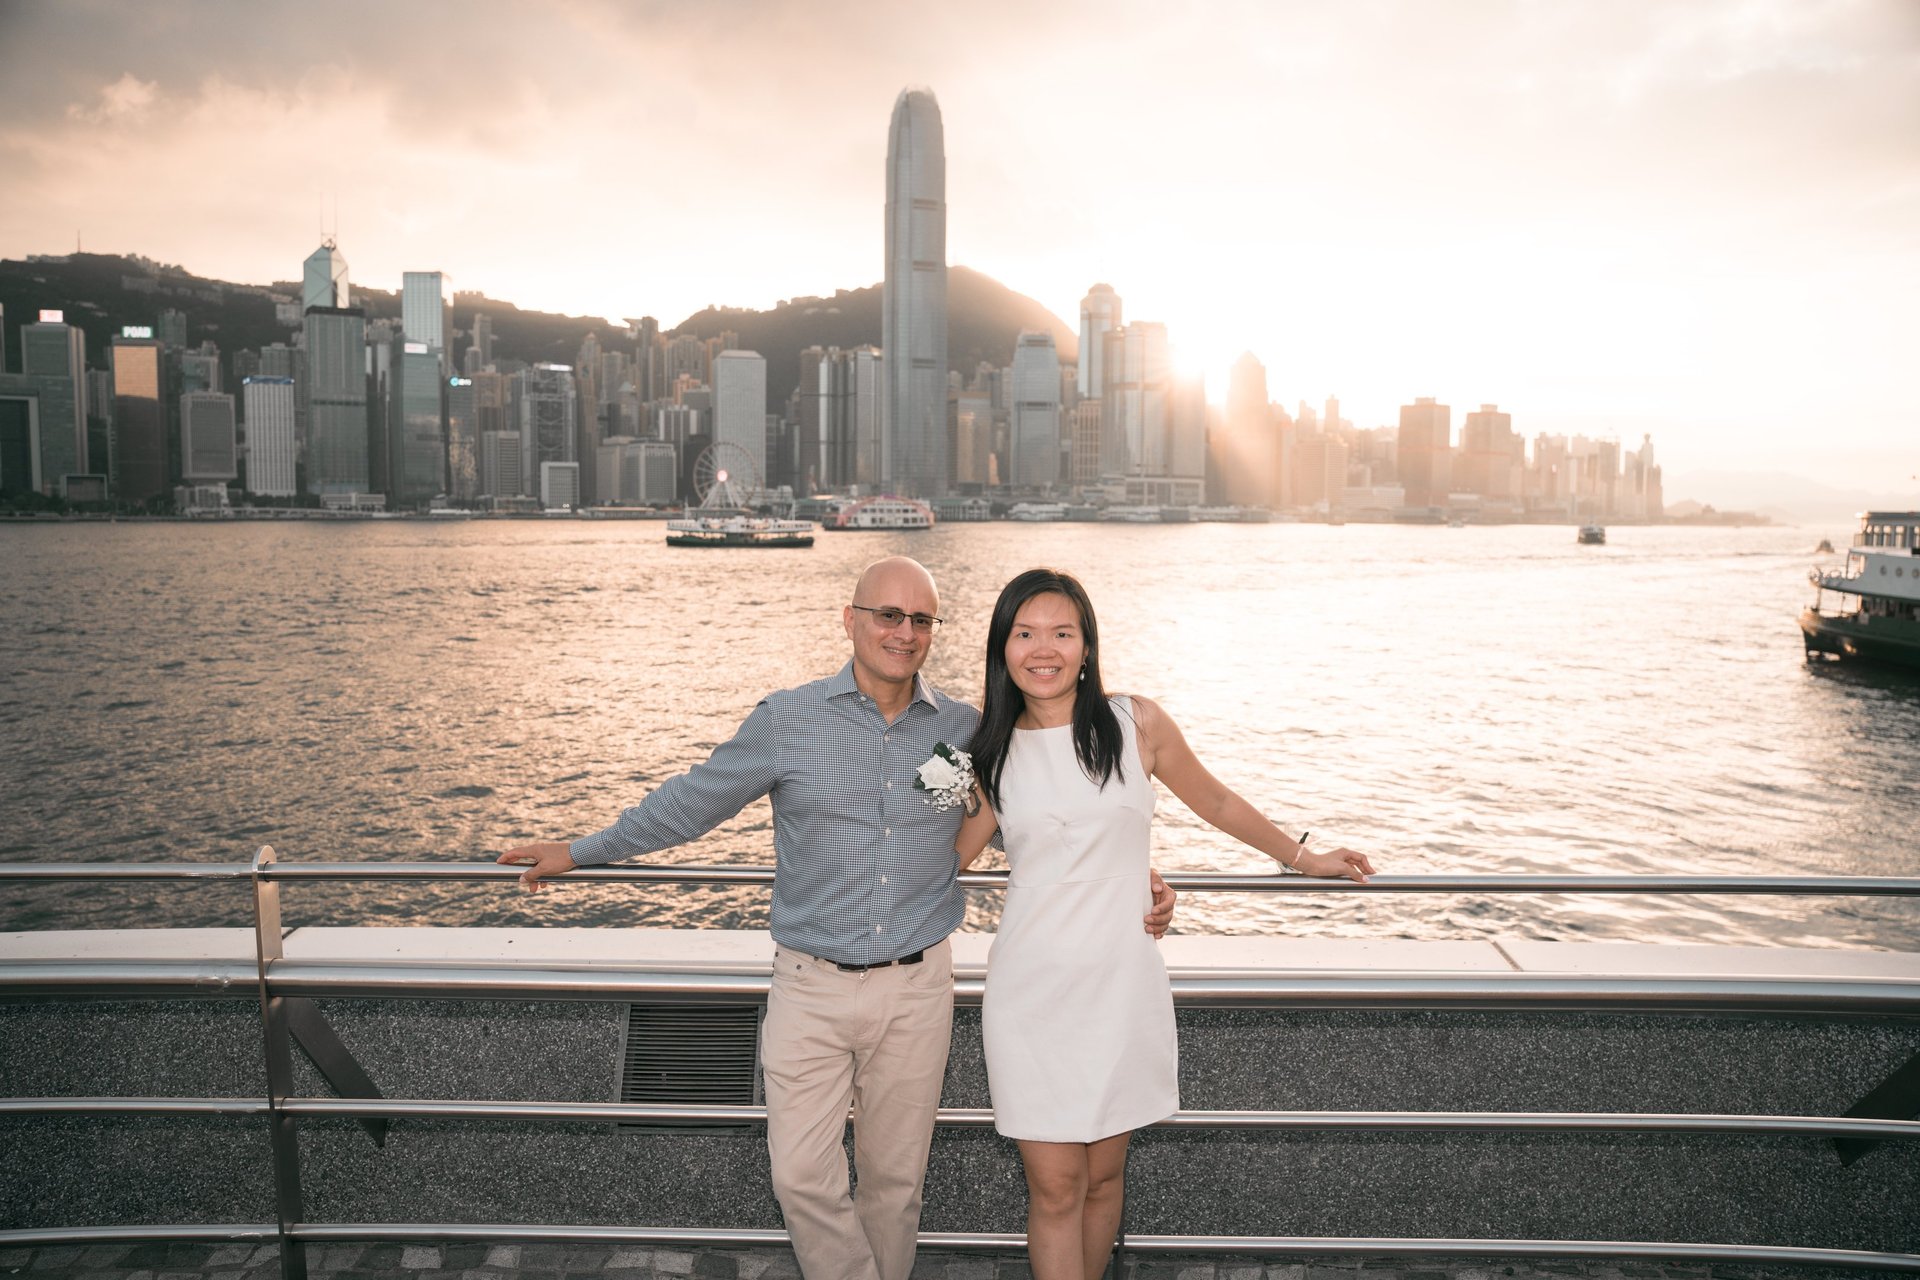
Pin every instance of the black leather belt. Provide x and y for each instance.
(912, 957)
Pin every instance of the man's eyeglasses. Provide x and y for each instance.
(891, 618)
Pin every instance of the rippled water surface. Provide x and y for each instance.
(1449, 700)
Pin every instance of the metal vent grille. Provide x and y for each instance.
(691, 1055)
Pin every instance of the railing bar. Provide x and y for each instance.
(969, 1117)
(1317, 1246)
(51, 1106)
(1192, 881)
(26, 1237)
(1419, 1247)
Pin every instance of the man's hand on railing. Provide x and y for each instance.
(549, 858)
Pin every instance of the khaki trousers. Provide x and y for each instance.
(876, 1042)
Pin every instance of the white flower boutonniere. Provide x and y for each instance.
(947, 778)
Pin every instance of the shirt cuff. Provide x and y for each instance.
(594, 850)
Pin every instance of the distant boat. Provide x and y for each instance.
(1037, 511)
(1233, 515)
(1592, 535)
(1882, 578)
(1131, 515)
(881, 513)
(739, 531)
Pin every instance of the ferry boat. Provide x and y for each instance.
(1047, 511)
(1131, 515)
(1233, 515)
(1592, 535)
(738, 531)
(1881, 577)
(882, 513)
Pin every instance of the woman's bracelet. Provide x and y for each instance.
(1299, 848)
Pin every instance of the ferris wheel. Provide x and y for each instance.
(724, 475)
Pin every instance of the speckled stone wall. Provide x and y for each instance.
(1755, 1190)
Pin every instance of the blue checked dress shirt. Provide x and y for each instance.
(864, 866)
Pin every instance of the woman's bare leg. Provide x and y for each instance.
(1056, 1207)
(1106, 1191)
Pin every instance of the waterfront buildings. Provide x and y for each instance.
(913, 324)
(559, 485)
(463, 440)
(267, 409)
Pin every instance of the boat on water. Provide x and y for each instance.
(1131, 515)
(1877, 615)
(881, 513)
(738, 530)
(1031, 511)
(1232, 515)
(1592, 535)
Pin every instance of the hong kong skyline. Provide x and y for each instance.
(1622, 219)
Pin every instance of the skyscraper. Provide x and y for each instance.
(56, 352)
(545, 407)
(336, 372)
(1100, 311)
(324, 278)
(267, 402)
(139, 420)
(1245, 454)
(1425, 452)
(209, 441)
(1035, 444)
(423, 309)
(740, 405)
(913, 321)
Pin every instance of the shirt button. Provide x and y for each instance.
(889, 786)
(886, 831)
(883, 879)
(879, 928)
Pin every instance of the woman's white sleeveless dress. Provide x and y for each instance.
(1078, 1015)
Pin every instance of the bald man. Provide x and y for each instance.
(860, 1012)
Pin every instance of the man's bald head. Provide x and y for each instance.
(900, 575)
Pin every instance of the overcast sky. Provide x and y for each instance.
(1695, 219)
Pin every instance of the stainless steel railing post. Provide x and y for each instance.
(283, 1126)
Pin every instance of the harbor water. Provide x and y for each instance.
(1449, 700)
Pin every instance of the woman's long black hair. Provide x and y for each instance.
(1097, 740)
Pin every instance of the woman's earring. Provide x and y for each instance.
(1083, 673)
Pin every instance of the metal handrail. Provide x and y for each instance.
(988, 1242)
(982, 1117)
(1194, 881)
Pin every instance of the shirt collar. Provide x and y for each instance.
(842, 683)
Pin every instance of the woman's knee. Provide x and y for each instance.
(1056, 1187)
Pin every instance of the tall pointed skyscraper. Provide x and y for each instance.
(324, 278)
(913, 319)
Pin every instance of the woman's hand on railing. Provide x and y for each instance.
(1334, 863)
(549, 858)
